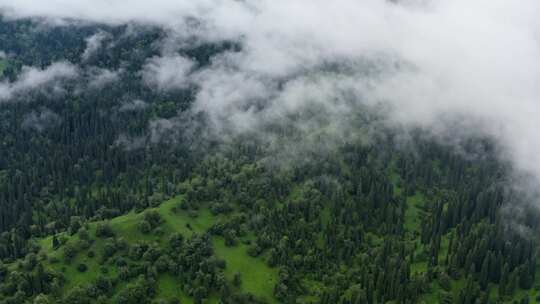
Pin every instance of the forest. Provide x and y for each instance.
(112, 191)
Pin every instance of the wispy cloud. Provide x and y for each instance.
(32, 78)
(133, 106)
(40, 120)
(168, 73)
(94, 43)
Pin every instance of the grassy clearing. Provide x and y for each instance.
(414, 212)
(257, 277)
(178, 222)
(69, 269)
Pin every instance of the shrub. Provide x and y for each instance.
(237, 279)
(69, 252)
(82, 267)
(109, 249)
(83, 244)
(144, 226)
(254, 250)
(54, 260)
(83, 234)
(104, 230)
(153, 218)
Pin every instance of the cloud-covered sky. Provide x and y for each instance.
(476, 60)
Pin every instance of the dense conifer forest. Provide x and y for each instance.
(115, 192)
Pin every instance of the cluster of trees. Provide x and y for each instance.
(340, 222)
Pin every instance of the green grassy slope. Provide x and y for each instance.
(257, 277)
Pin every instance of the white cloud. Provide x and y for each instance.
(133, 106)
(167, 73)
(94, 43)
(98, 78)
(32, 78)
(40, 120)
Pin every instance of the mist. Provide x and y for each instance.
(436, 65)
(94, 43)
(32, 78)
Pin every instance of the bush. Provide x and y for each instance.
(254, 250)
(230, 238)
(104, 230)
(83, 244)
(221, 263)
(62, 240)
(77, 295)
(74, 225)
(109, 249)
(153, 218)
(103, 284)
(237, 279)
(82, 267)
(83, 234)
(218, 208)
(121, 244)
(176, 240)
(120, 262)
(144, 226)
(162, 263)
(159, 231)
(174, 301)
(54, 260)
(69, 252)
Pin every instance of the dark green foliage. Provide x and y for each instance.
(144, 226)
(69, 252)
(104, 230)
(82, 267)
(237, 279)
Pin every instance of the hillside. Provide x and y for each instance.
(353, 152)
(132, 257)
(257, 278)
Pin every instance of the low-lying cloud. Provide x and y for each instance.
(93, 44)
(167, 72)
(31, 78)
(40, 120)
(133, 106)
(99, 78)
